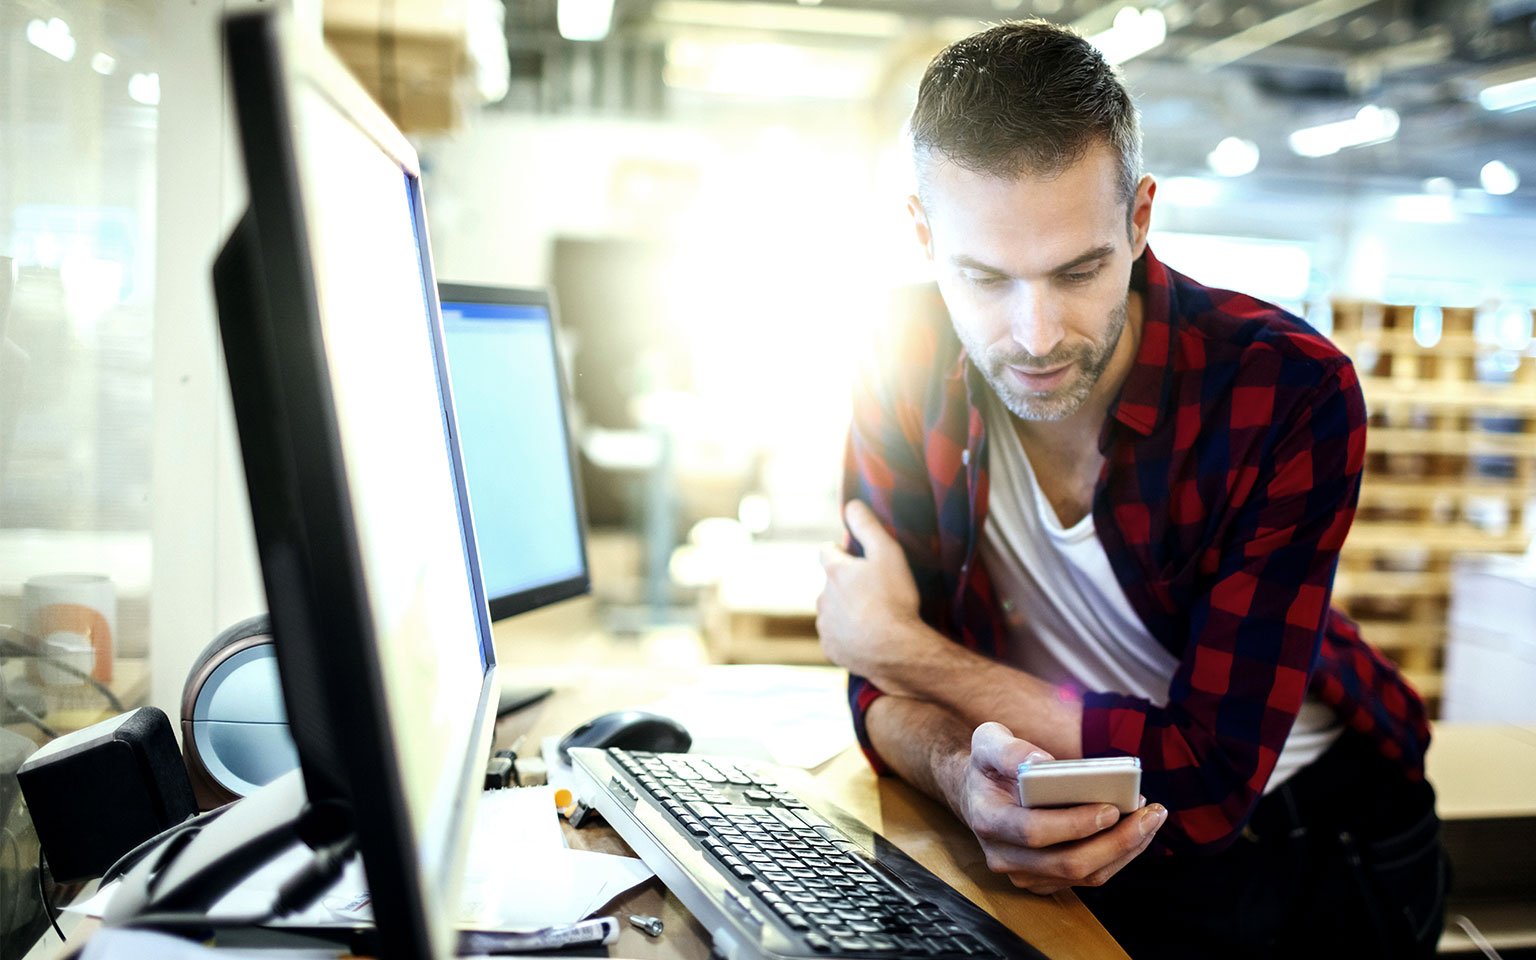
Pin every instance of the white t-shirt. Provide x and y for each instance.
(1068, 621)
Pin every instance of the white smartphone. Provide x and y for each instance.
(1070, 783)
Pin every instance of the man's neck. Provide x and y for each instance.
(1080, 431)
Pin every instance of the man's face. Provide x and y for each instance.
(1035, 273)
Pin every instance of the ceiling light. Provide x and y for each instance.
(584, 19)
(1440, 187)
(1428, 325)
(145, 88)
(1499, 178)
(770, 70)
(1372, 124)
(53, 38)
(1190, 191)
(1509, 96)
(1134, 33)
(1424, 208)
(104, 64)
(776, 17)
(1234, 157)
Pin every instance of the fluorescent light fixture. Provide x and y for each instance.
(584, 19)
(1276, 270)
(781, 18)
(1320, 315)
(1440, 187)
(104, 64)
(52, 37)
(770, 70)
(145, 88)
(1499, 178)
(1509, 96)
(1234, 157)
(1428, 325)
(1372, 124)
(1134, 33)
(1424, 208)
(1189, 191)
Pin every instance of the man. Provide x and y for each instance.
(1099, 513)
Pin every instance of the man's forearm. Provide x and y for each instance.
(975, 690)
(924, 743)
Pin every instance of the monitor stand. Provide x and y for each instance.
(514, 699)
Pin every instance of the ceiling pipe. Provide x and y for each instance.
(1272, 31)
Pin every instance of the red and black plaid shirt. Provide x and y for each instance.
(1234, 453)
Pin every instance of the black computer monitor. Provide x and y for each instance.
(328, 313)
(510, 396)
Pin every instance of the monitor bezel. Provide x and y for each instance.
(503, 606)
(312, 564)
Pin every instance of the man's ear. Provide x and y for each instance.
(1141, 214)
(920, 224)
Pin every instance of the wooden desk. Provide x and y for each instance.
(1059, 926)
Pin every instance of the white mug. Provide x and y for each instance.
(72, 617)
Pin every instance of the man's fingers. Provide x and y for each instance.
(1090, 860)
(1038, 828)
(996, 750)
(830, 554)
(866, 528)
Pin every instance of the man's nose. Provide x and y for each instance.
(1037, 323)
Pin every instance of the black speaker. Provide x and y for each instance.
(99, 792)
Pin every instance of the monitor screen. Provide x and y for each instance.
(354, 473)
(509, 395)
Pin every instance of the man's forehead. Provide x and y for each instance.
(1088, 187)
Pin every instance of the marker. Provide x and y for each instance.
(587, 933)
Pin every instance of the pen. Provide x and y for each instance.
(587, 933)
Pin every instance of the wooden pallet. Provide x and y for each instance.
(1450, 469)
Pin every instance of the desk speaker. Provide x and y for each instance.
(234, 727)
(99, 792)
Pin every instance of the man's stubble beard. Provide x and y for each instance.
(1090, 361)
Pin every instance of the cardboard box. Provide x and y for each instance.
(410, 55)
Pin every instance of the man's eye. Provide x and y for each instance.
(983, 279)
(1081, 276)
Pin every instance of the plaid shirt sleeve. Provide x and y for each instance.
(884, 466)
(1255, 630)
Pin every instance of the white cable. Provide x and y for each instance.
(1476, 936)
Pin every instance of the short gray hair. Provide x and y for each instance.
(1024, 97)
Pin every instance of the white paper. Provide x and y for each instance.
(519, 875)
(96, 904)
(116, 944)
(536, 890)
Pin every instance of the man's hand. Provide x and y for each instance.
(867, 610)
(1041, 850)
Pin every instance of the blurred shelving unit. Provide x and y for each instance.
(1450, 470)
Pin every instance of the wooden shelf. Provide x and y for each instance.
(1446, 441)
(1402, 343)
(1433, 537)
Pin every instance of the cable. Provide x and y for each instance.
(30, 650)
(1478, 940)
(42, 892)
(32, 718)
(126, 862)
(296, 893)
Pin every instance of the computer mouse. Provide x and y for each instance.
(628, 730)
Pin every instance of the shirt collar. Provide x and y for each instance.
(1144, 395)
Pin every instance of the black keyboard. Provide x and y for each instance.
(824, 890)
